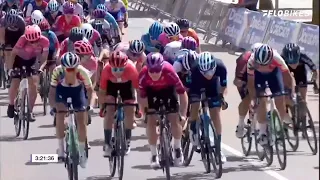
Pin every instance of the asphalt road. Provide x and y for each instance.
(15, 153)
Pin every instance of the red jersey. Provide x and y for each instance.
(63, 26)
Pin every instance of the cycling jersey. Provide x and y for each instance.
(241, 68)
(168, 78)
(129, 73)
(27, 50)
(33, 6)
(105, 24)
(67, 46)
(63, 26)
(51, 17)
(91, 65)
(164, 39)
(78, 9)
(54, 43)
(112, 21)
(58, 75)
(148, 44)
(124, 47)
(192, 33)
(117, 11)
(96, 39)
(6, 7)
(277, 62)
(95, 3)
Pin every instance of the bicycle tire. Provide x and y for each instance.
(246, 150)
(121, 143)
(113, 157)
(280, 139)
(314, 149)
(26, 115)
(17, 120)
(215, 155)
(260, 153)
(165, 150)
(203, 151)
(292, 141)
(74, 149)
(187, 152)
(268, 149)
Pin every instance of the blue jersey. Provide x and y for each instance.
(147, 42)
(111, 21)
(52, 39)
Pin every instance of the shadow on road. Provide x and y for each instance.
(97, 142)
(213, 48)
(144, 148)
(185, 176)
(41, 138)
(46, 126)
(139, 14)
(10, 138)
(35, 163)
(141, 137)
(99, 178)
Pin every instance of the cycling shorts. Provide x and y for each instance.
(29, 64)
(274, 80)
(118, 16)
(125, 89)
(11, 38)
(167, 95)
(77, 94)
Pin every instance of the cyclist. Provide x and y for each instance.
(211, 75)
(297, 62)
(54, 45)
(71, 80)
(171, 32)
(78, 9)
(40, 5)
(240, 81)
(134, 50)
(118, 10)
(12, 29)
(103, 60)
(52, 12)
(266, 65)
(151, 38)
(103, 28)
(67, 45)
(190, 43)
(35, 18)
(26, 53)
(85, 7)
(120, 75)
(159, 81)
(66, 21)
(186, 31)
(93, 36)
(115, 30)
(7, 5)
(171, 51)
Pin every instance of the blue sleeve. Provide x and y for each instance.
(221, 71)
(146, 40)
(111, 20)
(52, 41)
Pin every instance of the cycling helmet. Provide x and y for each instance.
(291, 53)
(101, 7)
(136, 46)
(44, 26)
(263, 55)
(206, 62)
(183, 23)
(32, 33)
(155, 62)
(171, 29)
(189, 43)
(68, 8)
(53, 6)
(11, 20)
(118, 59)
(70, 60)
(99, 13)
(155, 30)
(189, 60)
(171, 50)
(75, 34)
(37, 17)
(13, 12)
(83, 48)
(114, 1)
(97, 25)
(87, 30)
(255, 46)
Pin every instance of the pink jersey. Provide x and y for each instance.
(164, 40)
(27, 50)
(91, 65)
(168, 78)
(96, 36)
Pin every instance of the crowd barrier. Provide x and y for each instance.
(238, 27)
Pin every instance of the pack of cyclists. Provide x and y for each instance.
(85, 56)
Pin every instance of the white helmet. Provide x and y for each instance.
(171, 29)
(255, 46)
(37, 17)
(172, 49)
(87, 30)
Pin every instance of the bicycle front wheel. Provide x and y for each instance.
(291, 130)
(187, 150)
(165, 152)
(25, 105)
(279, 135)
(120, 148)
(246, 140)
(17, 120)
(310, 132)
(215, 154)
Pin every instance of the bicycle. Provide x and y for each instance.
(119, 144)
(45, 79)
(165, 137)
(3, 75)
(302, 122)
(275, 133)
(72, 158)
(22, 115)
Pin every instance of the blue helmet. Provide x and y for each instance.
(291, 53)
(102, 7)
(207, 62)
(155, 30)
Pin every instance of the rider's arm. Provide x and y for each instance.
(288, 79)
(103, 84)
(250, 74)
(183, 97)
(19, 46)
(307, 61)
(45, 43)
(221, 71)
(84, 74)
(177, 66)
(142, 93)
(54, 82)
(29, 10)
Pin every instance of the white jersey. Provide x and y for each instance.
(114, 7)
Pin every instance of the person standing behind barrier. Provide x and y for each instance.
(186, 31)
(150, 39)
(248, 4)
(171, 32)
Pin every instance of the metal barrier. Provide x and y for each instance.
(237, 26)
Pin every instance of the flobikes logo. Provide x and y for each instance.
(290, 13)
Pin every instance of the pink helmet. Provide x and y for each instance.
(32, 33)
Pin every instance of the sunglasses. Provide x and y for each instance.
(154, 70)
(118, 69)
(70, 69)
